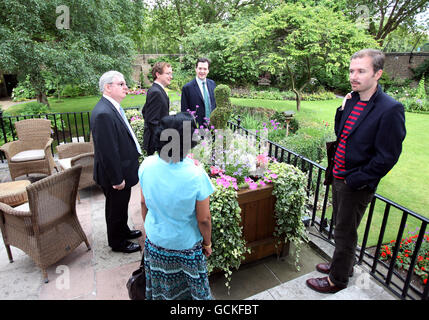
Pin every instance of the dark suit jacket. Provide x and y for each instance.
(156, 107)
(375, 142)
(115, 152)
(191, 97)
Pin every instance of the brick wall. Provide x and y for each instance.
(399, 65)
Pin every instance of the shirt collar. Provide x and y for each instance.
(200, 82)
(159, 84)
(113, 101)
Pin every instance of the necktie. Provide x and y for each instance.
(206, 100)
(130, 130)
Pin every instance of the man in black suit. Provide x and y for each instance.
(157, 104)
(370, 127)
(198, 95)
(116, 153)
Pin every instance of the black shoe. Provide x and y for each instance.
(128, 247)
(134, 234)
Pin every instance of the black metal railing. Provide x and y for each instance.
(399, 282)
(66, 127)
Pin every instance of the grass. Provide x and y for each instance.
(406, 184)
(80, 104)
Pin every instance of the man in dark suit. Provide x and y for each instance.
(370, 128)
(198, 95)
(116, 153)
(157, 104)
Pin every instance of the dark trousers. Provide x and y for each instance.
(116, 210)
(349, 206)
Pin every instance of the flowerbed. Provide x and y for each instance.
(406, 250)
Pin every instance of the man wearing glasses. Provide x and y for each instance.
(157, 104)
(116, 153)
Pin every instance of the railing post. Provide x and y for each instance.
(4, 133)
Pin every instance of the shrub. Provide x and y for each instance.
(23, 91)
(310, 141)
(220, 116)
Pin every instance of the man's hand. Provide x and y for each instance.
(119, 186)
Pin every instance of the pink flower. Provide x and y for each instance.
(215, 170)
(262, 159)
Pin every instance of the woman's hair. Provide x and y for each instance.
(174, 136)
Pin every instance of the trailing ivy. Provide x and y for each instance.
(289, 190)
(229, 246)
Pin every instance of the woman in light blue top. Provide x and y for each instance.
(176, 213)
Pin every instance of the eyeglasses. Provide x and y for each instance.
(121, 84)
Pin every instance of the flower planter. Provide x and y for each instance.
(258, 222)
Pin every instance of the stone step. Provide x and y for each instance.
(361, 287)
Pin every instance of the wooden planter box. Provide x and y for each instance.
(258, 221)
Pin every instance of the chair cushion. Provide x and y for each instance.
(65, 163)
(23, 207)
(29, 155)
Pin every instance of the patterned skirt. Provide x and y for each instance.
(175, 274)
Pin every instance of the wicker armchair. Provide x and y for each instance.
(78, 153)
(31, 153)
(50, 230)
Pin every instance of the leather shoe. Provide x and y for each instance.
(322, 285)
(128, 247)
(134, 234)
(326, 268)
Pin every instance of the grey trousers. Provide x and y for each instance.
(349, 206)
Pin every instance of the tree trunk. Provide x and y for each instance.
(42, 98)
(38, 84)
(298, 99)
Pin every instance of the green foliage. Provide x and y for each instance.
(220, 116)
(422, 70)
(23, 91)
(98, 40)
(406, 251)
(309, 141)
(413, 99)
(229, 246)
(289, 190)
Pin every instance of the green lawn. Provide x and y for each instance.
(87, 103)
(407, 183)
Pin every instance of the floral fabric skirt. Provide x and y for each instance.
(175, 274)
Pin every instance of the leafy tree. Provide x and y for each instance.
(75, 44)
(170, 20)
(294, 42)
(382, 17)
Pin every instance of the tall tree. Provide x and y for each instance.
(382, 17)
(74, 40)
(295, 42)
(170, 20)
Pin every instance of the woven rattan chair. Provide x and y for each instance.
(78, 153)
(47, 227)
(31, 153)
